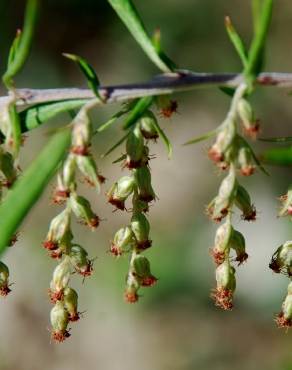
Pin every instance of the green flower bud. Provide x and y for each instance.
(120, 191)
(245, 161)
(243, 202)
(4, 280)
(80, 261)
(148, 124)
(82, 133)
(69, 172)
(145, 190)
(141, 269)
(223, 142)
(284, 318)
(246, 114)
(134, 148)
(282, 259)
(89, 169)
(141, 229)
(238, 244)
(226, 283)
(59, 321)
(123, 241)
(82, 210)
(220, 206)
(61, 277)
(59, 231)
(71, 303)
(132, 287)
(222, 243)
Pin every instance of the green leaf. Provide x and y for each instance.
(14, 47)
(130, 17)
(35, 116)
(15, 130)
(26, 191)
(256, 51)
(236, 41)
(206, 136)
(88, 71)
(278, 156)
(138, 110)
(120, 159)
(117, 144)
(113, 119)
(165, 139)
(20, 54)
(280, 140)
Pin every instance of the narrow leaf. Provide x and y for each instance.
(117, 144)
(88, 71)
(113, 119)
(278, 156)
(285, 139)
(14, 47)
(130, 17)
(138, 110)
(23, 47)
(41, 113)
(203, 137)
(26, 191)
(256, 52)
(164, 138)
(236, 41)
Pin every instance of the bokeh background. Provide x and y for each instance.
(175, 325)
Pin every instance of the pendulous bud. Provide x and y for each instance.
(286, 209)
(284, 318)
(123, 241)
(71, 303)
(59, 321)
(59, 231)
(245, 161)
(87, 166)
(238, 244)
(120, 191)
(221, 204)
(80, 261)
(132, 287)
(222, 243)
(82, 210)
(134, 149)
(224, 140)
(61, 277)
(243, 202)
(141, 270)
(145, 190)
(250, 124)
(148, 124)
(282, 259)
(226, 283)
(141, 228)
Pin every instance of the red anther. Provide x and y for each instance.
(218, 256)
(74, 317)
(115, 250)
(282, 322)
(223, 298)
(215, 155)
(249, 216)
(94, 222)
(168, 111)
(56, 254)
(149, 281)
(241, 258)
(80, 150)
(131, 297)
(60, 336)
(4, 290)
(50, 245)
(56, 295)
(119, 204)
(60, 196)
(247, 170)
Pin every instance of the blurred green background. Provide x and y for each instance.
(174, 326)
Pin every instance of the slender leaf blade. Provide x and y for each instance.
(130, 17)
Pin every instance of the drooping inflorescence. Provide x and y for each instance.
(231, 153)
(134, 238)
(59, 242)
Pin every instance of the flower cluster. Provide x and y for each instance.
(59, 241)
(231, 153)
(281, 262)
(134, 238)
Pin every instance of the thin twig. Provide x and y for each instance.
(162, 84)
